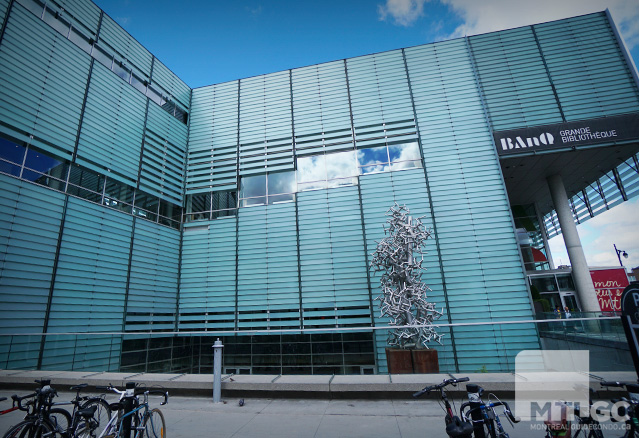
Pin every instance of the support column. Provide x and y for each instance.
(580, 271)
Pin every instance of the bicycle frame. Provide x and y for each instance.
(115, 418)
(489, 417)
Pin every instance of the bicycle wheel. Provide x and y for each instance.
(14, 431)
(60, 419)
(102, 413)
(154, 425)
(489, 426)
(32, 429)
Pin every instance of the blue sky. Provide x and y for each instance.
(207, 42)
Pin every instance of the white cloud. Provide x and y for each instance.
(123, 21)
(598, 235)
(491, 15)
(403, 12)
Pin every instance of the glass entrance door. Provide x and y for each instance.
(570, 300)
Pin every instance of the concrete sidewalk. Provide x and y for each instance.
(300, 418)
(323, 406)
(396, 386)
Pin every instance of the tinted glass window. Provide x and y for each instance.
(80, 40)
(121, 71)
(102, 56)
(224, 200)
(119, 191)
(170, 210)
(56, 22)
(311, 169)
(254, 188)
(368, 157)
(11, 151)
(565, 283)
(545, 284)
(43, 163)
(282, 182)
(404, 152)
(199, 202)
(86, 178)
(341, 165)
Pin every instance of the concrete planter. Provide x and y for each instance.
(412, 361)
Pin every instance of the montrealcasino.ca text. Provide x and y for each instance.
(581, 134)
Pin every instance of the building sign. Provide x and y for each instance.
(609, 285)
(570, 134)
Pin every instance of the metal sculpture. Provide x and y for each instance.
(403, 297)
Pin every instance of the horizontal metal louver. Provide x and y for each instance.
(212, 152)
(379, 89)
(587, 67)
(173, 85)
(208, 276)
(153, 279)
(164, 155)
(267, 270)
(125, 46)
(30, 218)
(265, 131)
(332, 259)
(43, 87)
(90, 286)
(82, 14)
(321, 109)
(4, 8)
(515, 84)
(112, 139)
(462, 182)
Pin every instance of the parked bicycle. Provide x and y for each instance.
(45, 420)
(37, 422)
(455, 427)
(132, 416)
(630, 408)
(483, 416)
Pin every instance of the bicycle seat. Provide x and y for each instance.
(87, 412)
(116, 406)
(80, 386)
(459, 429)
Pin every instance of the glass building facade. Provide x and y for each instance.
(131, 203)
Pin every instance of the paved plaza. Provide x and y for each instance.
(282, 418)
(323, 406)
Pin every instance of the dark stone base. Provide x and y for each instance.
(412, 361)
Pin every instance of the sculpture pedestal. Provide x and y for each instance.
(412, 361)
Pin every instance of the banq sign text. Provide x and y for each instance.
(569, 134)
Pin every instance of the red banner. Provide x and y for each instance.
(609, 285)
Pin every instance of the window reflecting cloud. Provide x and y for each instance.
(281, 182)
(340, 165)
(311, 169)
(367, 157)
(252, 186)
(404, 152)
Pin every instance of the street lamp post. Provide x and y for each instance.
(620, 253)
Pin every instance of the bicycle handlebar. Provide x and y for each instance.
(445, 383)
(18, 400)
(507, 410)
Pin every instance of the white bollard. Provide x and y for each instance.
(217, 371)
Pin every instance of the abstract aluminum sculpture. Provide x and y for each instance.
(403, 297)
